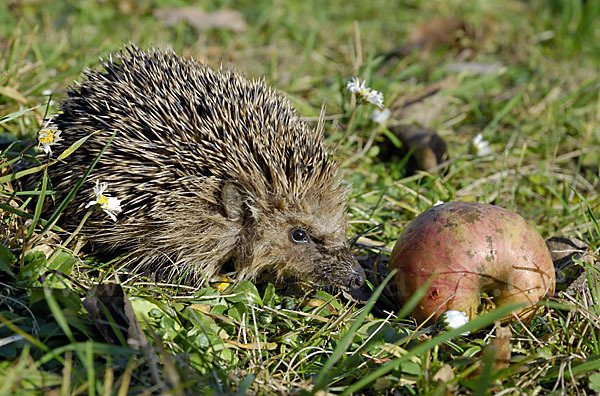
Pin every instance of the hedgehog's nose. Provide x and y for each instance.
(357, 277)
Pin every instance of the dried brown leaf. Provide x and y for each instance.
(451, 32)
(202, 20)
(445, 375)
(111, 298)
(435, 32)
(502, 346)
(499, 347)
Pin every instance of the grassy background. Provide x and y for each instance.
(538, 108)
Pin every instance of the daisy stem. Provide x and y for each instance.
(365, 149)
(70, 238)
(80, 226)
(348, 128)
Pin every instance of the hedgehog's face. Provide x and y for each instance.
(322, 257)
(303, 245)
(301, 240)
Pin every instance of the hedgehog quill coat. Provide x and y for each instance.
(209, 167)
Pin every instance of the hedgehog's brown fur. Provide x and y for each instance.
(209, 168)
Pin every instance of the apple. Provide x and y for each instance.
(480, 256)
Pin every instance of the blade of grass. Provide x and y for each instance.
(79, 347)
(17, 114)
(11, 161)
(38, 207)
(485, 377)
(244, 387)
(26, 215)
(109, 379)
(17, 175)
(65, 387)
(58, 314)
(78, 144)
(32, 193)
(126, 378)
(15, 373)
(88, 362)
(471, 326)
(576, 369)
(22, 333)
(326, 371)
(491, 127)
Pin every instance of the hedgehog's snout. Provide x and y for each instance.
(357, 276)
(357, 279)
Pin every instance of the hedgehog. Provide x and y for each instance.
(213, 171)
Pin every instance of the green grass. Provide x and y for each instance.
(538, 109)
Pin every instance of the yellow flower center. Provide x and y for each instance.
(102, 201)
(47, 136)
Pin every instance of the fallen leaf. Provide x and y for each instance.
(435, 32)
(502, 346)
(452, 32)
(445, 375)
(111, 298)
(201, 20)
(498, 349)
(431, 34)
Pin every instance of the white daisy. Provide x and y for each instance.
(110, 205)
(481, 147)
(47, 136)
(376, 98)
(381, 116)
(453, 320)
(364, 93)
(356, 86)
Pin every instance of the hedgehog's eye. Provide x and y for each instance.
(299, 235)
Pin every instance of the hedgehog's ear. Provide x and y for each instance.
(233, 200)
